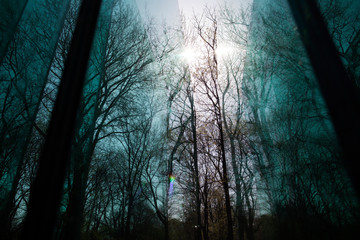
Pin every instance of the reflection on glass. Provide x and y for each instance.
(223, 97)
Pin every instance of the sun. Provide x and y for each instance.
(189, 54)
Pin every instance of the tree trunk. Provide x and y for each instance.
(206, 212)
(74, 212)
(239, 205)
(128, 219)
(197, 184)
(166, 229)
(225, 179)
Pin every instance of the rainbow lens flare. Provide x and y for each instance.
(171, 187)
(171, 178)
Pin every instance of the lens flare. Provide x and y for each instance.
(172, 178)
(189, 54)
(171, 187)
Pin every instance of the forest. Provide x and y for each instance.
(215, 128)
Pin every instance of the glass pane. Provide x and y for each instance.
(10, 13)
(299, 160)
(198, 120)
(343, 21)
(85, 139)
(23, 72)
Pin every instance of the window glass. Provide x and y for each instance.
(197, 120)
(28, 41)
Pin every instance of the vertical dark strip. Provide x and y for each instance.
(47, 188)
(340, 93)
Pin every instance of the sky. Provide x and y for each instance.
(169, 10)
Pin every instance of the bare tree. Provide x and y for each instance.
(24, 72)
(207, 73)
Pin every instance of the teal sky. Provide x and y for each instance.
(169, 10)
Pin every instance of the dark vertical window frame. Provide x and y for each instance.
(46, 190)
(340, 93)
